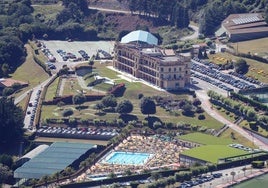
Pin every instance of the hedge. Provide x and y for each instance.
(68, 99)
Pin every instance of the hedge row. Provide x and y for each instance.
(248, 55)
(39, 62)
(253, 103)
(68, 99)
(96, 122)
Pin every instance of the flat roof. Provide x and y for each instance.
(53, 159)
(212, 153)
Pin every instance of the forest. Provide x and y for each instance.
(18, 24)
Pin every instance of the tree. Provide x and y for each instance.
(11, 126)
(99, 107)
(109, 101)
(5, 174)
(6, 160)
(241, 66)
(196, 102)
(147, 106)
(79, 99)
(187, 109)
(124, 107)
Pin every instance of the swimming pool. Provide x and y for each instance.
(127, 158)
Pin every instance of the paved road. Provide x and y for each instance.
(194, 35)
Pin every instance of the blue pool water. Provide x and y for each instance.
(127, 158)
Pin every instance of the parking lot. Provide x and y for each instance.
(61, 53)
(82, 133)
(212, 74)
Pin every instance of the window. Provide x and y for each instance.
(162, 69)
(174, 69)
(174, 76)
(169, 69)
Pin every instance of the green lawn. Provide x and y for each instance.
(257, 46)
(238, 138)
(205, 139)
(133, 89)
(30, 72)
(52, 89)
(212, 153)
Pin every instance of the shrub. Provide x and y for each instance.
(67, 112)
(201, 117)
(140, 95)
(199, 110)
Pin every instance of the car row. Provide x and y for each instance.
(211, 81)
(66, 55)
(50, 65)
(32, 109)
(240, 146)
(76, 132)
(200, 180)
(105, 54)
(243, 77)
(209, 72)
(48, 54)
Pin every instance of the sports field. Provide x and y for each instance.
(258, 182)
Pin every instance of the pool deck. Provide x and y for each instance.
(165, 154)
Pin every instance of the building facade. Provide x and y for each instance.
(153, 64)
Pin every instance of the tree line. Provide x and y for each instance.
(173, 10)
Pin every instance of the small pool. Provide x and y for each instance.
(127, 158)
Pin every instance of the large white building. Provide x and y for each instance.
(138, 54)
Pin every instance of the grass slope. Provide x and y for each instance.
(205, 139)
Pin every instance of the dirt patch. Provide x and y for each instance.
(109, 4)
(132, 22)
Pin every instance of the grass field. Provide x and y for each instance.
(30, 72)
(258, 182)
(51, 90)
(257, 46)
(212, 153)
(205, 139)
(238, 138)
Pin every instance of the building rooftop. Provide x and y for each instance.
(53, 159)
(243, 23)
(8, 82)
(141, 36)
